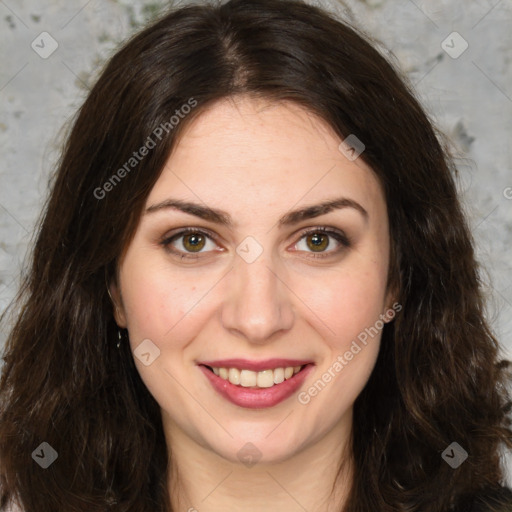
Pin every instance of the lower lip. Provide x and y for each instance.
(257, 398)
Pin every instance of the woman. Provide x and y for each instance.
(253, 287)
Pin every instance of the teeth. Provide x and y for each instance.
(247, 378)
(234, 376)
(278, 375)
(263, 379)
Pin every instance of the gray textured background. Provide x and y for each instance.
(469, 97)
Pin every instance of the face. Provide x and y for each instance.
(263, 273)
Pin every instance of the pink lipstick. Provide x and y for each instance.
(256, 397)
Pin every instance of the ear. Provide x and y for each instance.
(117, 303)
(392, 305)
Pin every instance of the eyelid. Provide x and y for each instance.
(189, 229)
(326, 229)
(339, 235)
(168, 238)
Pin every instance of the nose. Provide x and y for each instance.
(258, 304)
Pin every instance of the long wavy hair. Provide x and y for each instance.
(438, 378)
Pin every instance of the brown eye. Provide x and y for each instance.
(193, 242)
(317, 242)
(189, 243)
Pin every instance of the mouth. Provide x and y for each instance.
(250, 379)
(256, 389)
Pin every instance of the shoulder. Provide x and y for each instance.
(493, 500)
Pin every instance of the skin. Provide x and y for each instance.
(257, 161)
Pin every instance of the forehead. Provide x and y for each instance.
(253, 151)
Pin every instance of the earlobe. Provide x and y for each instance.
(117, 305)
(392, 306)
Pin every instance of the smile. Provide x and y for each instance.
(262, 379)
(256, 389)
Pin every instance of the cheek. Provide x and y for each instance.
(345, 302)
(348, 308)
(161, 306)
(350, 312)
(144, 299)
(155, 299)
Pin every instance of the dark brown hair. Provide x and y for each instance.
(438, 378)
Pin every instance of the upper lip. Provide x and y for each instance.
(255, 366)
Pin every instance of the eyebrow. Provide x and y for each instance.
(294, 217)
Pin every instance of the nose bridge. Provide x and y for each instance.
(257, 303)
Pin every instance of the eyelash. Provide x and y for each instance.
(339, 236)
